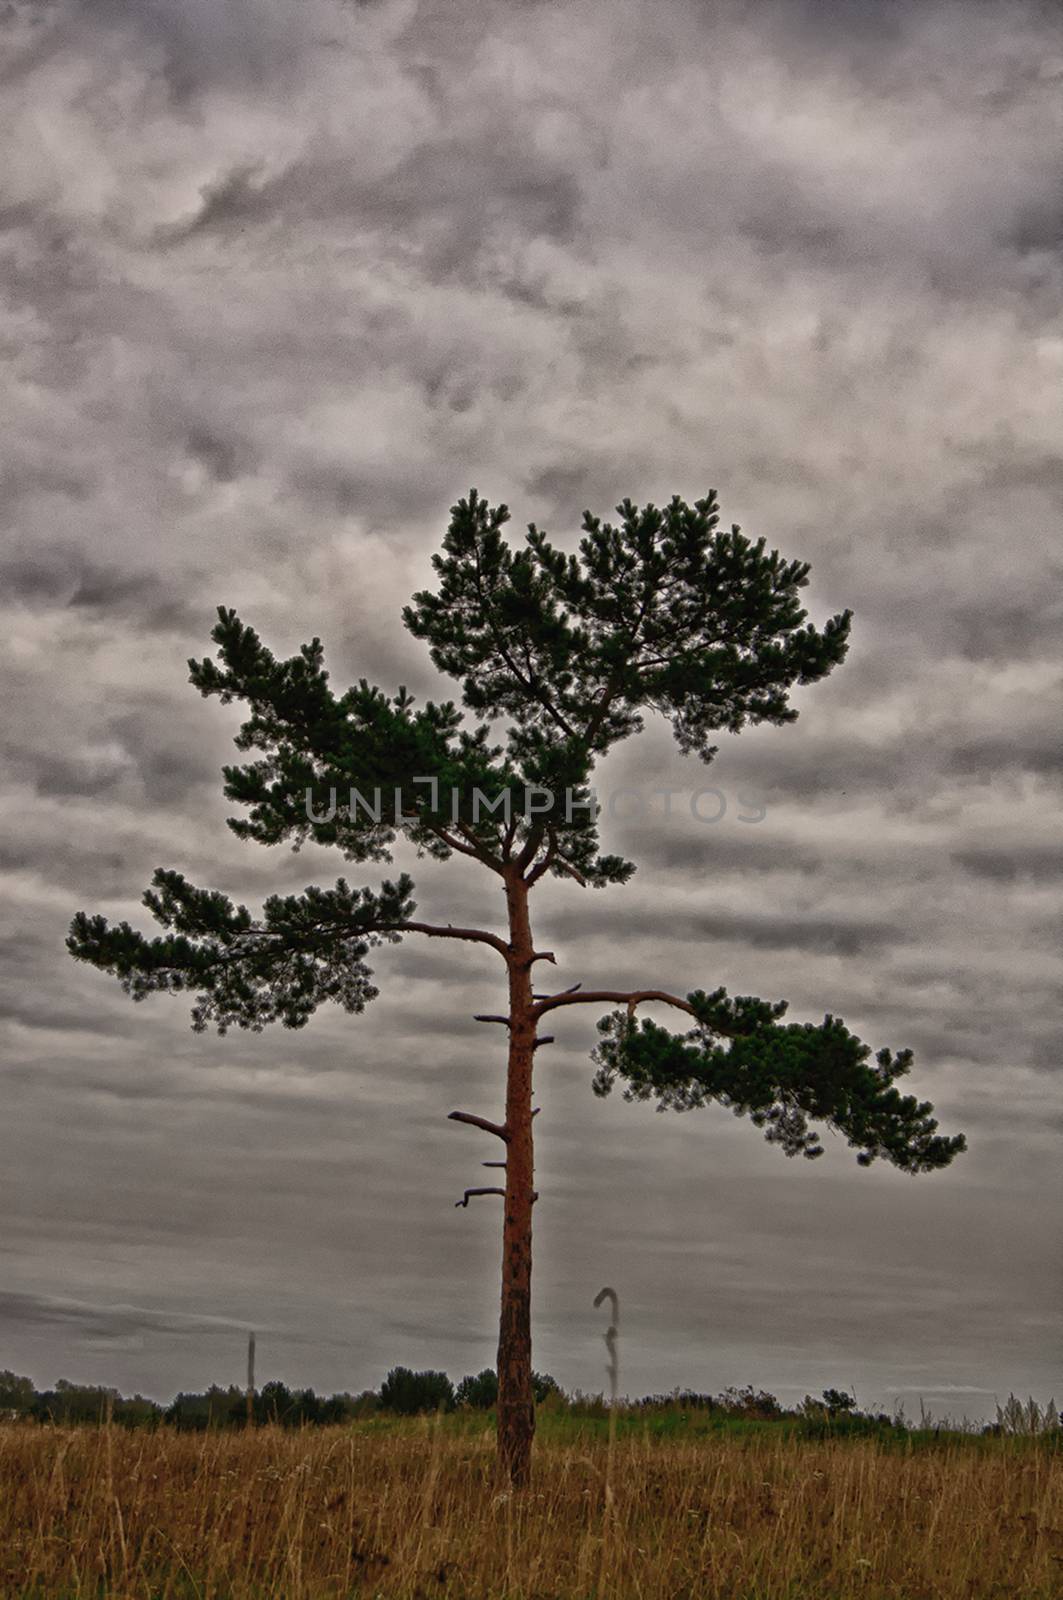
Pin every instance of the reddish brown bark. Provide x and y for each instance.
(516, 1403)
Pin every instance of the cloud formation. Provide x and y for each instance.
(277, 284)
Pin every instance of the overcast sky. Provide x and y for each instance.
(281, 279)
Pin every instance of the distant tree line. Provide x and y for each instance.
(402, 1393)
(408, 1393)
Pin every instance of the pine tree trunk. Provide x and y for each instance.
(516, 1403)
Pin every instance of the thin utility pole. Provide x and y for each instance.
(250, 1379)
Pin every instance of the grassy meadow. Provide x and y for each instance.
(410, 1508)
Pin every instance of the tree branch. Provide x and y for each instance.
(456, 844)
(571, 871)
(627, 997)
(449, 932)
(470, 1192)
(480, 1122)
(479, 848)
(531, 845)
(571, 990)
(545, 864)
(472, 845)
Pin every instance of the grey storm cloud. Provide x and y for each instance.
(1035, 863)
(279, 282)
(98, 1321)
(696, 930)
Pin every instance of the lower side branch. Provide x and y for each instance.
(479, 1122)
(470, 1192)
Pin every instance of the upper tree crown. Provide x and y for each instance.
(664, 611)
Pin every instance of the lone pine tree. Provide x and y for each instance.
(559, 657)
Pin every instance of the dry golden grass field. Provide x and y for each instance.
(412, 1510)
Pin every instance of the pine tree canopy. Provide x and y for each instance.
(777, 1075)
(559, 657)
(664, 612)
